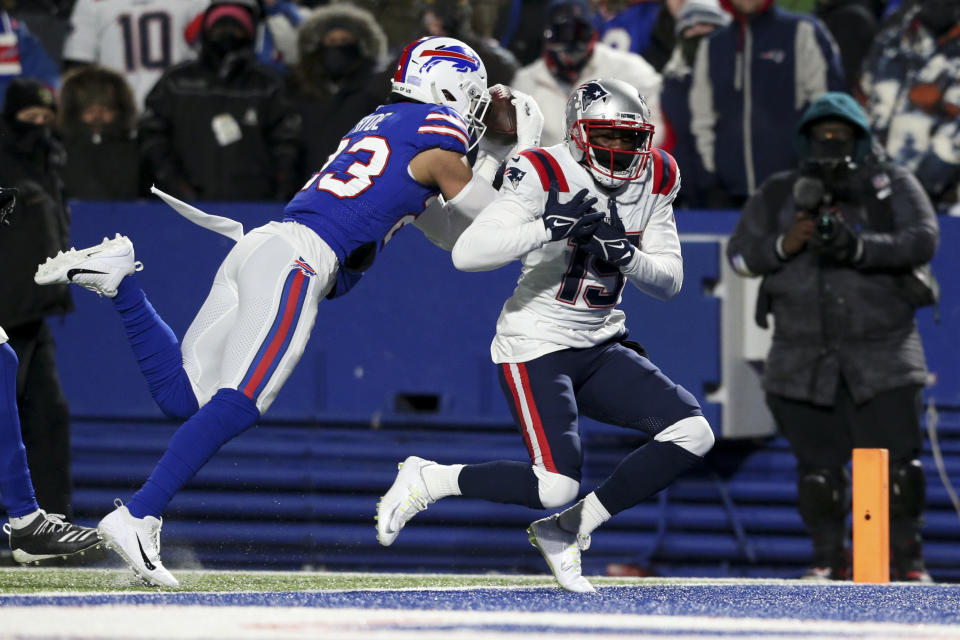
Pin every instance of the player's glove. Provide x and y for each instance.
(575, 218)
(609, 242)
(529, 120)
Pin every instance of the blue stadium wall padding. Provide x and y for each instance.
(300, 490)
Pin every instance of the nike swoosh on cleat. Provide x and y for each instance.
(146, 560)
(76, 272)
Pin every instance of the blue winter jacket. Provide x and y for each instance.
(752, 81)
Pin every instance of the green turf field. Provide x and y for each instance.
(47, 580)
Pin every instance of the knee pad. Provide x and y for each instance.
(555, 489)
(692, 434)
(822, 495)
(908, 489)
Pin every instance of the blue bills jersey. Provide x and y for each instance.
(365, 193)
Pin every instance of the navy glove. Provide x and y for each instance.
(575, 218)
(609, 242)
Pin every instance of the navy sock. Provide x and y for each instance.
(157, 351)
(643, 473)
(15, 484)
(503, 481)
(228, 414)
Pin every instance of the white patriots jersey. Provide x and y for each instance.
(565, 297)
(137, 38)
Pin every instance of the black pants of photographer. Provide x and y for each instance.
(822, 439)
(44, 415)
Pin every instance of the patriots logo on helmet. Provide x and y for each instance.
(514, 175)
(590, 93)
(461, 59)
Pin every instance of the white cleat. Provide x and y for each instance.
(99, 268)
(137, 541)
(407, 497)
(561, 549)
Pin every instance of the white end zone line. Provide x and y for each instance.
(143, 622)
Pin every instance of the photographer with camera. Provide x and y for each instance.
(838, 243)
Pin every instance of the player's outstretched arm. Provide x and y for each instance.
(464, 195)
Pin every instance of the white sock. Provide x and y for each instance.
(585, 516)
(24, 521)
(442, 480)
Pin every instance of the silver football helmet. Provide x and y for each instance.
(601, 111)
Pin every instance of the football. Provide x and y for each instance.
(501, 116)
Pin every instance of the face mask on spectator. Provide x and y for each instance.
(339, 61)
(569, 43)
(227, 37)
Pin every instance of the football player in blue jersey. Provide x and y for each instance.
(34, 534)
(561, 342)
(252, 329)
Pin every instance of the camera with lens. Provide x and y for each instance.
(820, 185)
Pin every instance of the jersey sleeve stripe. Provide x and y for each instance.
(555, 166)
(547, 168)
(664, 172)
(446, 131)
(457, 122)
(539, 165)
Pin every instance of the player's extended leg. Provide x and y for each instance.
(107, 269)
(540, 394)
(626, 389)
(34, 534)
(278, 291)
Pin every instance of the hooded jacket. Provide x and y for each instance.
(840, 321)
(39, 227)
(329, 109)
(751, 82)
(102, 165)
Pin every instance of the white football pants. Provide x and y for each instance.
(254, 325)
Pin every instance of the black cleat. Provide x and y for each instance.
(50, 536)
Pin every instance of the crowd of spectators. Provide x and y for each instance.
(727, 81)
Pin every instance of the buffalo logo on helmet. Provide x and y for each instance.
(459, 56)
(590, 93)
(514, 175)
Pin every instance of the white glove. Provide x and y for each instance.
(529, 120)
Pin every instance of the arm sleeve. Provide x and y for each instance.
(752, 249)
(504, 231)
(443, 223)
(657, 268)
(82, 42)
(917, 233)
(510, 226)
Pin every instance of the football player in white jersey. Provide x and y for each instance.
(560, 342)
(137, 38)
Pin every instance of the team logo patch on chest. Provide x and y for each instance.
(514, 176)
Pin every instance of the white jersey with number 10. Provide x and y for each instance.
(137, 38)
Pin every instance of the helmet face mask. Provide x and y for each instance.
(609, 130)
(445, 71)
